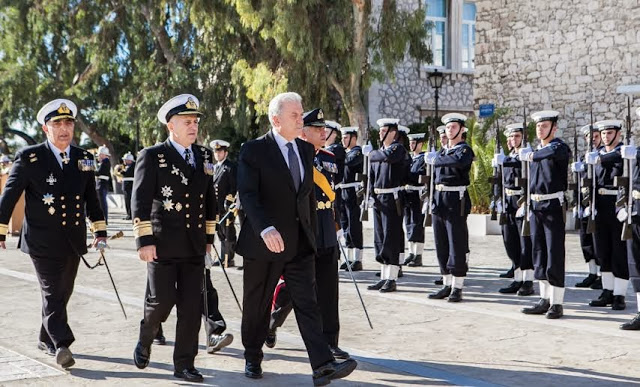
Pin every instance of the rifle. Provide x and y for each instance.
(495, 179)
(628, 167)
(430, 177)
(364, 179)
(523, 182)
(591, 173)
(575, 185)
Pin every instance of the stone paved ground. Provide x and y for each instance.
(482, 341)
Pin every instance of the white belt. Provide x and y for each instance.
(460, 189)
(635, 194)
(394, 190)
(356, 184)
(541, 197)
(127, 179)
(413, 188)
(513, 192)
(103, 177)
(608, 192)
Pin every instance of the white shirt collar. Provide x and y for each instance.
(57, 151)
(281, 141)
(180, 148)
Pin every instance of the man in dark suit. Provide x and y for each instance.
(103, 178)
(174, 209)
(57, 179)
(224, 182)
(275, 184)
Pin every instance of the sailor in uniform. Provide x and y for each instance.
(225, 184)
(413, 217)
(103, 178)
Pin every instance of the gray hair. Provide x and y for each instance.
(275, 105)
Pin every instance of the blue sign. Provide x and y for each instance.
(487, 110)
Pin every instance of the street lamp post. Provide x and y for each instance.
(435, 80)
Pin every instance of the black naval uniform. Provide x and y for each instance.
(224, 181)
(350, 211)
(326, 259)
(413, 217)
(388, 171)
(549, 176)
(586, 239)
(54, 231)
(103, 176)
(174, 208)
(451, 208)
(127, 185)
(338, 151)
(518, 247)
(633, 244)
(609, 247)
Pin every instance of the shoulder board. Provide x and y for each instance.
(326, 151)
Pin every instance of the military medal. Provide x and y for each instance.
(51, 180)
(178, 207)
(167, 191)
(175, 170)
(167, 204)
(184, 181)
(48, 199)
(209, 168)
(52, 210)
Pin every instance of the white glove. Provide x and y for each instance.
(622, 215)
(430, 158)
(629, 152)
(586, 212)
(340, 234)
(526, 154)
(578, 166)
(592, 158)
(520, 212)
(208, 261)
(498, 159)
(367, 149)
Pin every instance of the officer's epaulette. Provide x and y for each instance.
(327, 152)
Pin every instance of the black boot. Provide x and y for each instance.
(389, 286)
(400, 273)
(410, 258)
(512, 288)
(540, 308)
(597, 284)
(344, 265)
(526, 289)
(416, 262)
(439, 281)
(455, 296)
(633, 325)
(356, 266)
(377, 286)
(587, 282)
(606, 298)
(441, 294)
(555, 311)
(618, 303)
(508, 274)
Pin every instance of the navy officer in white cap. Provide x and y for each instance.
(451, 206)
(58, 182)
(547, 183)
(174, 209)
(225, 184)
(413, 217)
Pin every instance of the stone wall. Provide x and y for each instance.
(559, 55)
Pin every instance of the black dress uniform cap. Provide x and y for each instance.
(441, 129)
(417, 137)
(219, 144)
(332, 125)
(454, 117)
(608, 124)
(512, 128)
(314, 117)
(391, 122)
(183, 104)
(349, 130)
(545, 115)
(56, 110)
(588, 128)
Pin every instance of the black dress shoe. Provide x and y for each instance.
(633, 325)
(344, 265)
(441, 294)
(439, 281)
(508, 274)
(587, 282)
(240, 267)
(64, 358)
(217, 342)
(512, 288)
(389, 286)
(455, 296)
(160, 339)
(270, 340)
(597, 284)
(252, 370)
(526, 289)
(410, 258)
(338, 353)
(417, 262)
(377, 286)
(606, 298)
(141, 356)
(49, 349)
(618, 303)
(400, 273)
(356, 266)
(324, 374)
(540, 308)
(190, 375)
(555, 311)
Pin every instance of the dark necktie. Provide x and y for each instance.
(294, 166)
(187, 157)
(65, 159)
